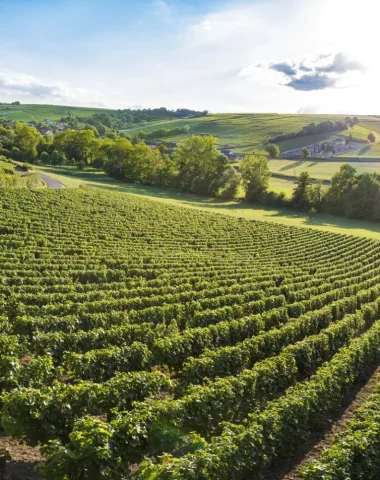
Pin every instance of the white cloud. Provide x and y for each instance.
(27, 84)
(161, 7)
(16, 85)
(210, 61)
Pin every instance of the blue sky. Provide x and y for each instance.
(232, 56)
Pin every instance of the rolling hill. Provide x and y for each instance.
(246, 133)
(41, 112)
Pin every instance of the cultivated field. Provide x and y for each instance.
(73, 178)
(246, 133)
(36, 112)
(243, 133)
(131, 329)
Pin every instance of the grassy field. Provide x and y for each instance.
(40, 112)
(304, 141)
(318, 169)
(243, 133)
(366, 151)
(75, 178)
(246, 133)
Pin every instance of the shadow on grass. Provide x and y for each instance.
(296, 164)
(365, 149)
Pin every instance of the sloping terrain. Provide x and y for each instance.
(109, 299)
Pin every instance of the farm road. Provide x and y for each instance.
(50, 182)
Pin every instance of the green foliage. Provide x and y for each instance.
(200, 165)
(26, 139)
(317, 129)
(371, 137)
(5, 456)
(354, 453)
(164, 132)
(302, 193)
(273, 150)
(255, 176)
(142, 340)
(230, 183)
(80, 145)
(305, 153)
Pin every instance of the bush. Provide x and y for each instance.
(273, 150)
(371, 137)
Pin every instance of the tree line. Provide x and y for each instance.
(196, 166)
(126, 118)
(350, 194)
(163, 132)
(317, 128)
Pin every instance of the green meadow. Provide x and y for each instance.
(247, 133)
(322, 170)
(40, 112)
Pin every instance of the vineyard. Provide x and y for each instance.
(144, 341)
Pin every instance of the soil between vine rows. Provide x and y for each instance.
(289, 468)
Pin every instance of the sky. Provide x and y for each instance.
(285, 56)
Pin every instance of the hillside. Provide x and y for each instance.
(36, 112)
(246, 133)
(243, 133)
(110, 299)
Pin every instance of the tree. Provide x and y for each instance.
(230, 182)
(338, 194)
(255, 176)
(301, 197)
(82, 145)
(133, 163)
(163, 149)
(316, 195)
(365, 198)
(371, 137)
(200, 165)
(98, 163)
(273, 150)
(58, 158)
(26, 139)
(305, 153)
(45, 157)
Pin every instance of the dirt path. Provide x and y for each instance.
(50, 182)
(340, 425)
(24, 459)
(289, 468)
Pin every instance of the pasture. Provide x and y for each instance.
(321, 170)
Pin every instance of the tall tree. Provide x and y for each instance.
(26, 139)
(338, 194)
(255, 176)
(302, 193)
(82, 145)
(200, 165)
(305, 153)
